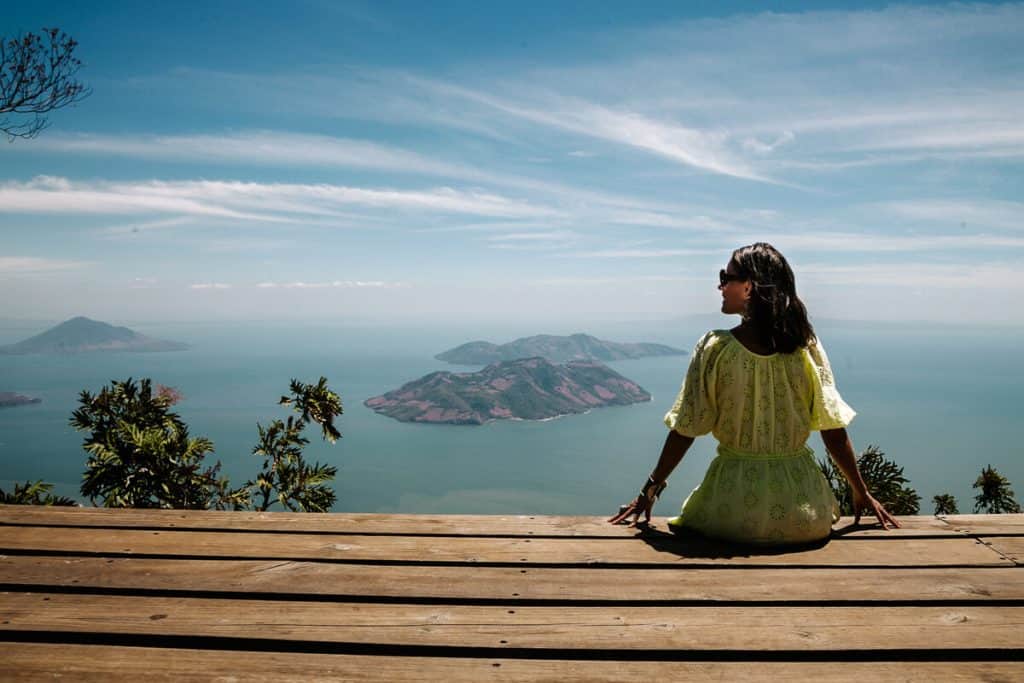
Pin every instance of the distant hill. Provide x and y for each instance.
(9, 399)
(81, 335)
(555, 349)
(525, 389)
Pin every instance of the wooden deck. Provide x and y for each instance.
(132, 594)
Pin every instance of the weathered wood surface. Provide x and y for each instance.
(31, 661)
(370, 524)
(510, 584)
(655, 549)
(1012, 548)
(623, 628)
(120, 594)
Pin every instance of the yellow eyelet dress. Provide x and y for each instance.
(765, 486)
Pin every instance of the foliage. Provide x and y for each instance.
(37, 76)
(883, 478)
(285, 476)
(141, 455)
(945, 504)
(996, 495)
(34, 493)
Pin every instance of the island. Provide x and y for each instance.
(554, 348)
(9, 399)
(81, 335)
(523, 389)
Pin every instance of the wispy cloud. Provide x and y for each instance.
(642, 253)
(21, 265)
(972, 213)
(260, 147)
(703, 149)
(992, 275)
(336, 284)
(277, 202)
(210, 285)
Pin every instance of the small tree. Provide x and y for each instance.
(285, 477)
(996, 496)
(884, 480)
(945, 504)
(37, 76)
(141, 455)
(34, 493)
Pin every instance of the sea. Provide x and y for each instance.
(941, 400)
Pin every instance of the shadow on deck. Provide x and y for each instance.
(127, 594)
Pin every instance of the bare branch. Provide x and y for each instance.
(37, 76)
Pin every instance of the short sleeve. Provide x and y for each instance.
(828, 409)
(694, 411)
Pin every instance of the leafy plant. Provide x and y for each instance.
(945, 504)
(34, 493)
(141, 455)
(883, 478)
(285, 476)
(996, 495)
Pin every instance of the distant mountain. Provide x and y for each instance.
(80, 335)
(9, 399)
(555, 349)
(525, 389)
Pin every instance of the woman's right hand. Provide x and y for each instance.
(864, 501)
(640, 505)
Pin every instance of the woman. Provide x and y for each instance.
(760, 388)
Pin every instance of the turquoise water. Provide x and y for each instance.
(941, 400)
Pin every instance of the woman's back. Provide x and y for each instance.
(758, 404)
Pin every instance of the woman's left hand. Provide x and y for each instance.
(867, 503)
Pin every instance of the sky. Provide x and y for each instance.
(555, 161)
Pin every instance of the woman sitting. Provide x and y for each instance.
(760, 388)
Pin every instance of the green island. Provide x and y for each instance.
(558, 349)
(83, 335)
(523, 389)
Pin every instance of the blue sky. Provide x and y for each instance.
(542, 161)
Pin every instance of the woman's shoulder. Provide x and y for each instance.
(713, 338)
(712, 342)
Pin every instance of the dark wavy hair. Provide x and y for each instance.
(776, 312)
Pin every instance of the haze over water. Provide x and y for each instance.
(940, 400)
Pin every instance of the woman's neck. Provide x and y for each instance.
(746, 334)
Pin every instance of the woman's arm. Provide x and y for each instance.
(672, 452)
(838, 444)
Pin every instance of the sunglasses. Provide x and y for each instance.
(725, 278)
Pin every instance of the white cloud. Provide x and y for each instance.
(19, 265)
(642, 253)
(913, 274)
(276, 202)
(136, 227)
(704, 149)
(260, 147)
(337, 284)
(970, 213)
(552, 236)
(210, 285)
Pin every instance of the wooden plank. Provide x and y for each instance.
(1011, 547)
(368, 524)
(512, 583)
(652, 549)
(987, 524)
(31, 661)
(341, 523)
(740, 629)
